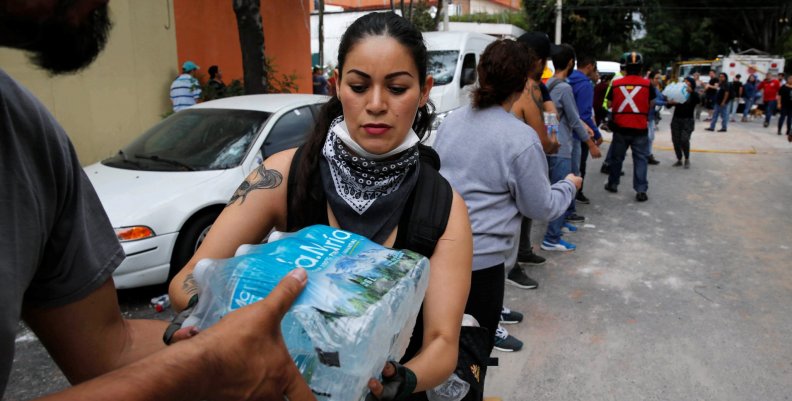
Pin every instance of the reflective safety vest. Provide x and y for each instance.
(631, 102)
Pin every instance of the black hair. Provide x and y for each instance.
(563, 55)
(502, 72)
(725, 76)
(213, 71)
(373, 24)
(585, 60)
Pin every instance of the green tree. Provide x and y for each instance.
(419, 15)
(596, 27)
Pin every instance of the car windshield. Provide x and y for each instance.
(442, 65)
(196, 139)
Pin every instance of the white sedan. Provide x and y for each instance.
(164, 190)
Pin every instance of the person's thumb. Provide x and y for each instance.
(283, 295)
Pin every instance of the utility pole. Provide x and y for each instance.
(321, 34)
(558, 22)
(445, 14)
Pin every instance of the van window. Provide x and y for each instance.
(468, 70)
(442, 65)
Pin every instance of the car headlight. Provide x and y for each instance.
(133, 233)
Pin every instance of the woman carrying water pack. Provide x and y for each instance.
(358, 170)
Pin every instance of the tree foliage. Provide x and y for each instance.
(685, 29)
(595, 27)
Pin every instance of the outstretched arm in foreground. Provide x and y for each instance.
(243, 357)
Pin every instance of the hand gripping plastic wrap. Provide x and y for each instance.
(677, 92)
(357, 311)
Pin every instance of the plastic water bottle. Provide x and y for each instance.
(357, 311)
(551, 123)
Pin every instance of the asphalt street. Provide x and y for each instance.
(685, 297)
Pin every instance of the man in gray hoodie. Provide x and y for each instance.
(570, 130)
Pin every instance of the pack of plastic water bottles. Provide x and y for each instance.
(677, 92)
(357, 311)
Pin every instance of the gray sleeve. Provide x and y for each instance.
(81, 250)
(572, 115)
(530, 186)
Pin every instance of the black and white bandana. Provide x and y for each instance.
(366, 196)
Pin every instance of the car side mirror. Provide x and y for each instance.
(468, 77)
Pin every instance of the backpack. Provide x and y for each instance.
(427, 211)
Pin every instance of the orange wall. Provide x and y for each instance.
(206, 33)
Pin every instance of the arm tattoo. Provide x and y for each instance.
(189, 285)
(263, 179)
(538, 101)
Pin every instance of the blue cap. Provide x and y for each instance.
(189, 66)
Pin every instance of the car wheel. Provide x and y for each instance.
(190, 238)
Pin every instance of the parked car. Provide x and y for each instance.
(164, 190)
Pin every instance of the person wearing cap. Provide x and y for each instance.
(630, 98)
(682, 123)
(185, 89)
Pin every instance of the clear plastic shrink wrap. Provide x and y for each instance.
(357, 311)
(677, 92)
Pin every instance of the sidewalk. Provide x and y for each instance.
(685, 297)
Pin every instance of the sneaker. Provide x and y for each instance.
(506, 342)
(723, 130)
(532, 259)
(677, 164)
(611, 188)
(651, 160)
(687, 163)
(765, 124)
(568, 228)
(509, 316)
(582, 198)
(560, 246)
(518, 278)
(709, 129)
(575, 218)
(641, 197)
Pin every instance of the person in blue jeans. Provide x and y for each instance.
(654, 114)
(749, 94)
(583, 89)
(570, 130)
(722, 104)
(631, 97)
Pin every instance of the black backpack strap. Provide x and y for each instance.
(426, 214)
(315, 210)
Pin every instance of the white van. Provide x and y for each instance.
(452, 61)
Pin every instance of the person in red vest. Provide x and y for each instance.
(630, 98)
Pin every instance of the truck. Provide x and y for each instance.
(747, 63)
(453, 57)
(682, 69)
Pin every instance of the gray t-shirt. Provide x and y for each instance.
(570, 127)
(497, 165)
(56, 242)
